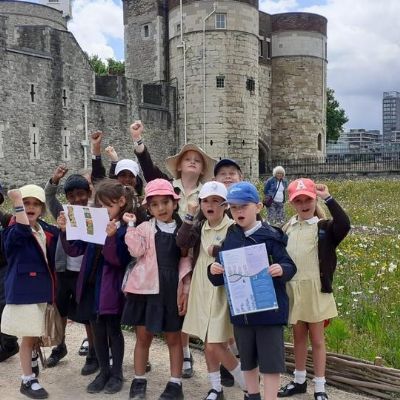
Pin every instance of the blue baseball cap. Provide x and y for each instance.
(242, 193)
(225, 162)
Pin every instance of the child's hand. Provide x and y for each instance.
(95, 139)
(111, 153)
(58, 174)
(128, 217)
(322, 191)
(210, 250)
(111, 228)
(216, 269)
(192, 207)
(15, 196)
(62, 221)
(275, 270)
(182, 304)
(136, 130)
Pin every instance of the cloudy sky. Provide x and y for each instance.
(363, 46)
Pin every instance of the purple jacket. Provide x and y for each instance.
(104, 266)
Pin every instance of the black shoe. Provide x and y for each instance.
(320, 396)
(173, 391)
(292, 388)
(138, 389)
(99, 383)
(26, 389)
(7, 352)
(35, 363)
(91, 365)
(220, 395)
(56, 355)
(188, 372)
(84, 349)
(227, 378)
(148, 366)
(114, 385)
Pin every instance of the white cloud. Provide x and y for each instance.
(363, 53)
(95, 23)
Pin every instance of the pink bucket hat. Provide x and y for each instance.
(302, 186)
(159, 187)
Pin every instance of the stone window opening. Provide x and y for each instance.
(211, 142)
(65, 136)
(32, 93)
(220, 81)
(34, 142)
(251, 85)
(178, 28)
(220, 21)
(261, 48)
(319, 142)
(64, 97)
(146, 31)
(268, 40)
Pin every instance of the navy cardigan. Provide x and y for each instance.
(30, 278)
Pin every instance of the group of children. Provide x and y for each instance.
(160, 271)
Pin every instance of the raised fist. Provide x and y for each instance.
(136, 130)
(59, 173)
(111, 153)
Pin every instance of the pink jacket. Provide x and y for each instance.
(143, 279)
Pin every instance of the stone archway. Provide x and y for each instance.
(264, 155)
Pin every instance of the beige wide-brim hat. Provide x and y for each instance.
(208, 171)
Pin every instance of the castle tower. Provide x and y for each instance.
(65, 6)
(215, 66)
(146, 44)
(299, 59)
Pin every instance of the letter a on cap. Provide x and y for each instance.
(300, 185)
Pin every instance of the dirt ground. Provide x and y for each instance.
(64, 382)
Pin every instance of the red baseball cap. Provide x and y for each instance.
(302, 186)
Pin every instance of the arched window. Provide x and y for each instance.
(319, 144)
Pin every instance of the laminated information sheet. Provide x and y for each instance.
(86, 223)
(249, 285)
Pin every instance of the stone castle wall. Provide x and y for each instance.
(271, 106)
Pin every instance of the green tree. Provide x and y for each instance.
(335, 117)
(115, 67)
(111, 67)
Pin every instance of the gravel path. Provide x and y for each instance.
(64, 382)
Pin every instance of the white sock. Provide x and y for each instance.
(27, 378)
(239, 378)
(186, 351)
(215, 380)
(176, 380)
(186, 354)
(319, 382)
(140, 377)
(300, 376)
(234, 349)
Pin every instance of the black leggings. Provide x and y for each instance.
(107, 330)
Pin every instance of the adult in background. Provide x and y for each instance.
(275, 196)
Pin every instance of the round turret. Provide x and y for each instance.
(25, 13)
(215, 67)
(299, 59)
